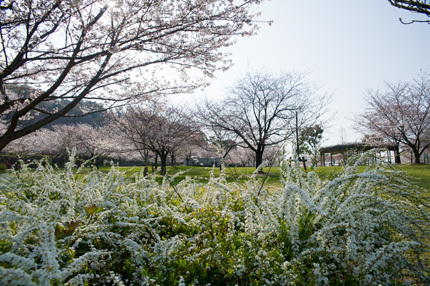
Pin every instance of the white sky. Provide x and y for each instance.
(346, 46)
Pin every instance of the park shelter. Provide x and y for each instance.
(206, 161)
(347, 150)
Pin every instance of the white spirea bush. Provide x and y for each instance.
(74, 227)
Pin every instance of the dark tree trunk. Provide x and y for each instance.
(145, 163)
(397, 159)
(172, 160)
(163, 164)
(97, 161)
(258, 158)
(417, 156)
(4, 141)
(156, 161)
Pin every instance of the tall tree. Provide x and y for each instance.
(261, 109)
(400, 114)
(116, 51)
(310, 140)
(164, 131)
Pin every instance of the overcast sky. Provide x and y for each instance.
(346, 46)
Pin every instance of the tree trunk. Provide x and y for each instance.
(397, 159)
(417, 156)
(97, 161)
(258, 158)
(145, 163)
(172, 160)
(4, 141)
(163, 164)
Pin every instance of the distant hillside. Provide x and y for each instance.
(85, 106)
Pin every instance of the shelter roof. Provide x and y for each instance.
(340, 148)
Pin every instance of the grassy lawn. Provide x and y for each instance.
(419, 173)
(203, 174)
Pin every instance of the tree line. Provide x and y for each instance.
(257, 116)
(262, 111)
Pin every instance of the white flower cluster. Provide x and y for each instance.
(365, 227)
(80, 227)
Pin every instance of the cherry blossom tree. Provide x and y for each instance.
(43, 141)
(134, 132)
(260, 109)
(89, 142)
(400, 114)
(163, 131)
(241, 156)
(109, 50)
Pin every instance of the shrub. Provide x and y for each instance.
(68, 227)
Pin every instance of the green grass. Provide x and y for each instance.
(202, 174)
(420, 174)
